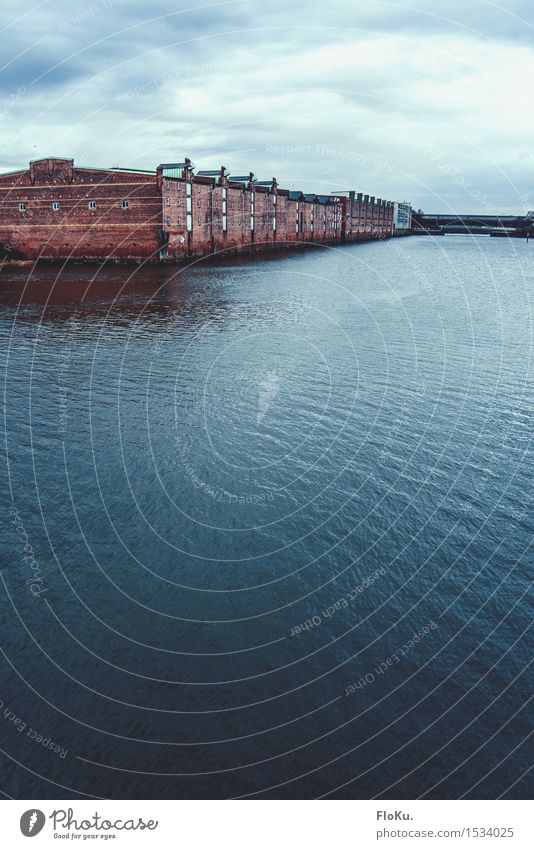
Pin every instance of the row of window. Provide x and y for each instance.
(179, 202)
(178, 223)
(303, 225)
(56, 205)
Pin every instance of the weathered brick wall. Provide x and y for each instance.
(238, 234)
(281, 227)
(220, 233)
(309, 214)
(291, 216)
(201, 243)
(176, 235)
(365, 220)
(90, 222)
(263, 232)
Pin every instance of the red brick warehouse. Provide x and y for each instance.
(56, 211)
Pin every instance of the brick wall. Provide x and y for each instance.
(56, 211)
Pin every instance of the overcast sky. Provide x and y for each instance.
(428, 100)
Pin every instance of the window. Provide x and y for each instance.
(188, 201)
(22, 207)
(199, 204)
(167, 221)
(124, 204)
(55, 205)
(252, 210)
(188, 207)
(92, 204)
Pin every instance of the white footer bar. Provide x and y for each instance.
(264, 824)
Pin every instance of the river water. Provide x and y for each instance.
(268, 525)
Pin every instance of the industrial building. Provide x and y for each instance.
(54, 210)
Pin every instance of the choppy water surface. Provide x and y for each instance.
(277, 521)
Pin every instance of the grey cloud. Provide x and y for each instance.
(362, 89)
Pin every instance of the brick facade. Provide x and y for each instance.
(54, 210)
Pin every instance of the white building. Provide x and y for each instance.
(402, 216)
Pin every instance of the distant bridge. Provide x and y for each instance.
(492, 225)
